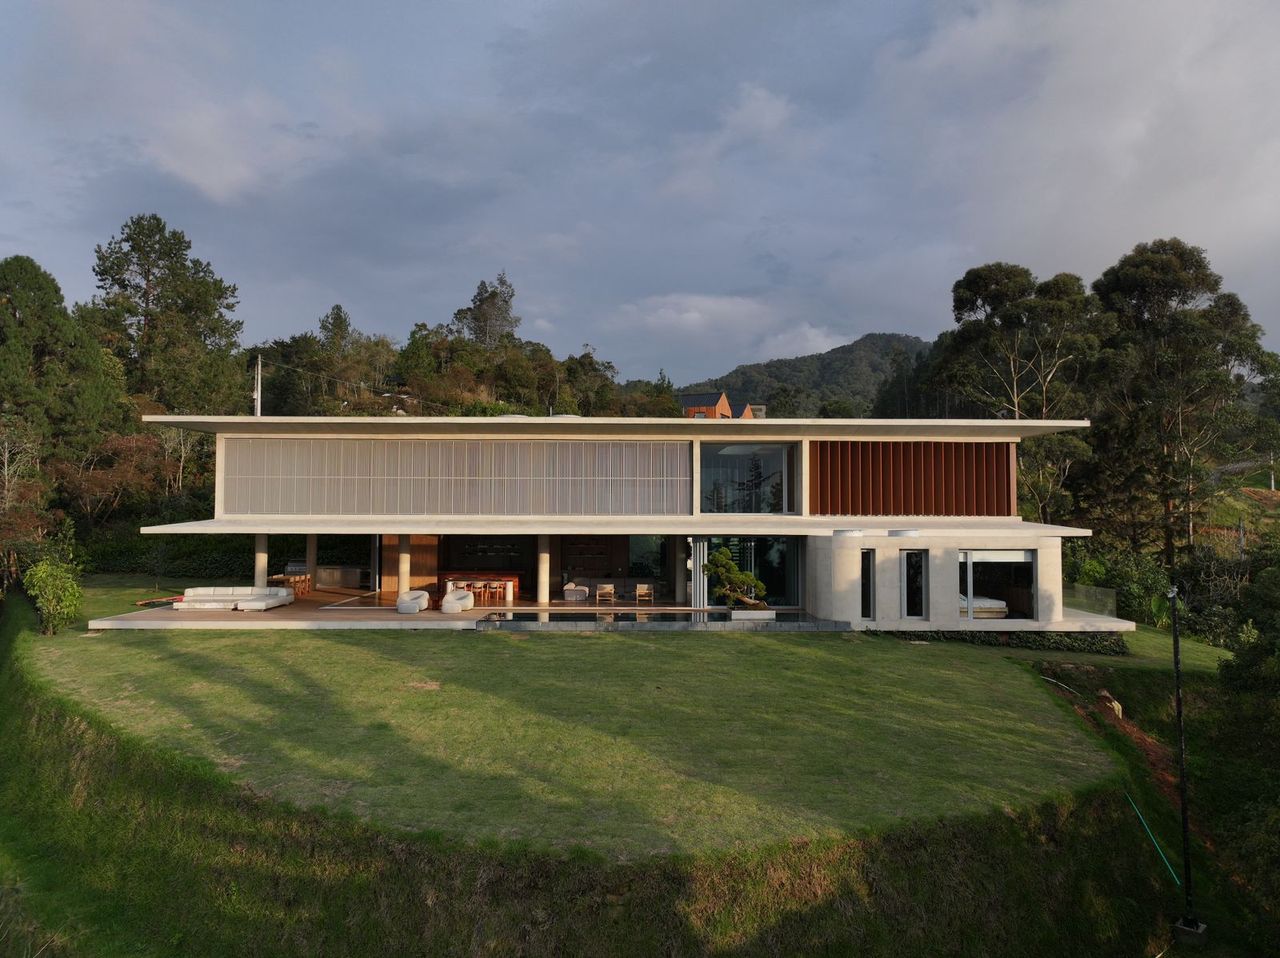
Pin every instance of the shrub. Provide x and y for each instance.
(51, 583)
(1217, 625)
(1102, 643)
(1136, 577)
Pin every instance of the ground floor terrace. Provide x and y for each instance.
(893, 579)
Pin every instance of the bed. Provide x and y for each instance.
(985, 607)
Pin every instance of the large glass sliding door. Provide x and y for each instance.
(774, 560)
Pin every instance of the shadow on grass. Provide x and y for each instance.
(834, 738)
(153, 854)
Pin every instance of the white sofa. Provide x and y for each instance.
(245, 598)
(576, 593)
(416, 600)
(457, 600)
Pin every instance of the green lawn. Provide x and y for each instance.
(628, 743)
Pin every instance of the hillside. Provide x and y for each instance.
(852, 373)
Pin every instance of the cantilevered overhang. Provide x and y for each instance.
(977, 530)
(612, 427)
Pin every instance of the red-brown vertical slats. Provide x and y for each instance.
(993, 477)
(840, 499)
(894, 480)
(867, 507)
(851, 471)
(902, 480)
(855, 472)
(939, 479)
(917, 464)
(1013, 479)
(980, 478)
(913, 478)
(909, 479)
(833, 470)
(967, 504)
(831, 503)
(1002, 473)
(931, 494)
(948, 479)
(877, 478)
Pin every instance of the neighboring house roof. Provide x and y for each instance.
(691, 400)
(742, 410)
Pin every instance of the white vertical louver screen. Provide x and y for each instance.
(315, 477)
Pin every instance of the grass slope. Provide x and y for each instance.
(124, 848)
(631, 744)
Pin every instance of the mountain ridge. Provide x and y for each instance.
(844, 379)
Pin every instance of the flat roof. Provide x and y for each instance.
(987, 528)
(620, 427)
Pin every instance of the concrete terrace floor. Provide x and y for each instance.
(627, 743)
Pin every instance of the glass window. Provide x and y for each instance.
(997, 584)
(647, 556)
(915, 583)
(775, 561)
(868, 583)
(748, 477)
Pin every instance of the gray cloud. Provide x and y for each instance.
(683, 185)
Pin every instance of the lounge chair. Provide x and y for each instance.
(605, 592)
(457, 600)
(644, 592)
(413, 601)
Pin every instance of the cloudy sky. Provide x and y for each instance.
(682, 184)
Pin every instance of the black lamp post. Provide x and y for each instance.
(1188, 928)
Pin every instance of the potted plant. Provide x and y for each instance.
(736, 587)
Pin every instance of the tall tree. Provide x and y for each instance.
(1178, 361)
(168, 316)
(1020, 350)
(491, 316)
(54, 375)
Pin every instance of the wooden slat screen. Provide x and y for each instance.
(853, 478)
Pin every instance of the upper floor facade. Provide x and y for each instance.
(674, 474)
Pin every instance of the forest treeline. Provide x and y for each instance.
(1166, 363)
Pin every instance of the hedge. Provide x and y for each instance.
(1102, 643)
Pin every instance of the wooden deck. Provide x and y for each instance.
(348, 609)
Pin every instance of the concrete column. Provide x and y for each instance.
(802, 479)
(544, 569)
(842, 577)
(696, 473)
(1048, 568)
(311, 557)
(260, 560)
(375, 583)
(404, 570)
(701, 596)
(944, 580)
(680, 569)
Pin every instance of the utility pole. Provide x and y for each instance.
(257, 388)
(1187, 929)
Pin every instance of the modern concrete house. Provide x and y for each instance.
(871, 524)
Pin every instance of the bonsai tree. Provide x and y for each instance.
(731, 583)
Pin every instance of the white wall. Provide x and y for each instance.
(834, 571)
